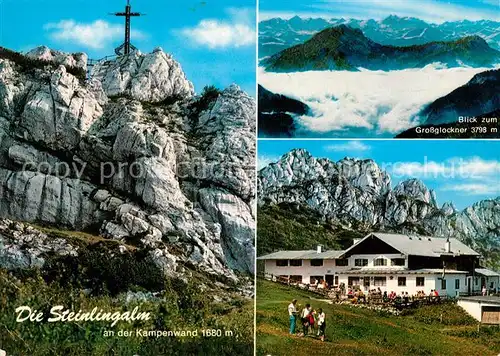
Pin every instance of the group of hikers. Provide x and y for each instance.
(392, 297)
(313, 321)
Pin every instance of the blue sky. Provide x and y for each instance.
(463, 172)
(214, 40)
(435, 11)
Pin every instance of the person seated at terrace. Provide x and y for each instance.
(350, 293)
(385, 297)
(434, 295)
(361, 296)
(379, 291)
(405, 296)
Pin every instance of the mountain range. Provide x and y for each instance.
(278, 34)
(356, 196)
(346, 48)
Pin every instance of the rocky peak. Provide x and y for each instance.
(396, 22)
(295, 166)
(475, 43)
(342, 36)
(298, 154)
(151, 77)
(448, 208)
(484, 77)
(365, 174)
(78, 60)
(416, 189)
(299, 164)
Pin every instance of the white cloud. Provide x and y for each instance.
(373, 103)
(264, 160)
(239, 31)
(473, 188)
(453, 168)
(350, 146)
(95, 35)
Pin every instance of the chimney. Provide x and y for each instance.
(319, 249)
(447, 245)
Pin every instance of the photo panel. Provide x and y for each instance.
(378, 247)
(379, 69)
(127, 177)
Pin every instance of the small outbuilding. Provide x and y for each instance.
(484, 309)
(485, 278)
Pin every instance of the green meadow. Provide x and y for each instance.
(99, 278)
(430, 330)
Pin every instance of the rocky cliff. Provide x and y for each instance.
(131, 154)
(479, 96)
(357, 195)
(275, 113)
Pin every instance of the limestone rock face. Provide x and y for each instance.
(228, 140)
(50, 108)
(111, 155)
(357, 193)
(22, 246)
(236, 219)
(147, 77)
(78, 60)
(31, 196)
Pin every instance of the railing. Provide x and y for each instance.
(93, 62)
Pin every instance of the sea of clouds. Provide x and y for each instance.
(365, 103)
